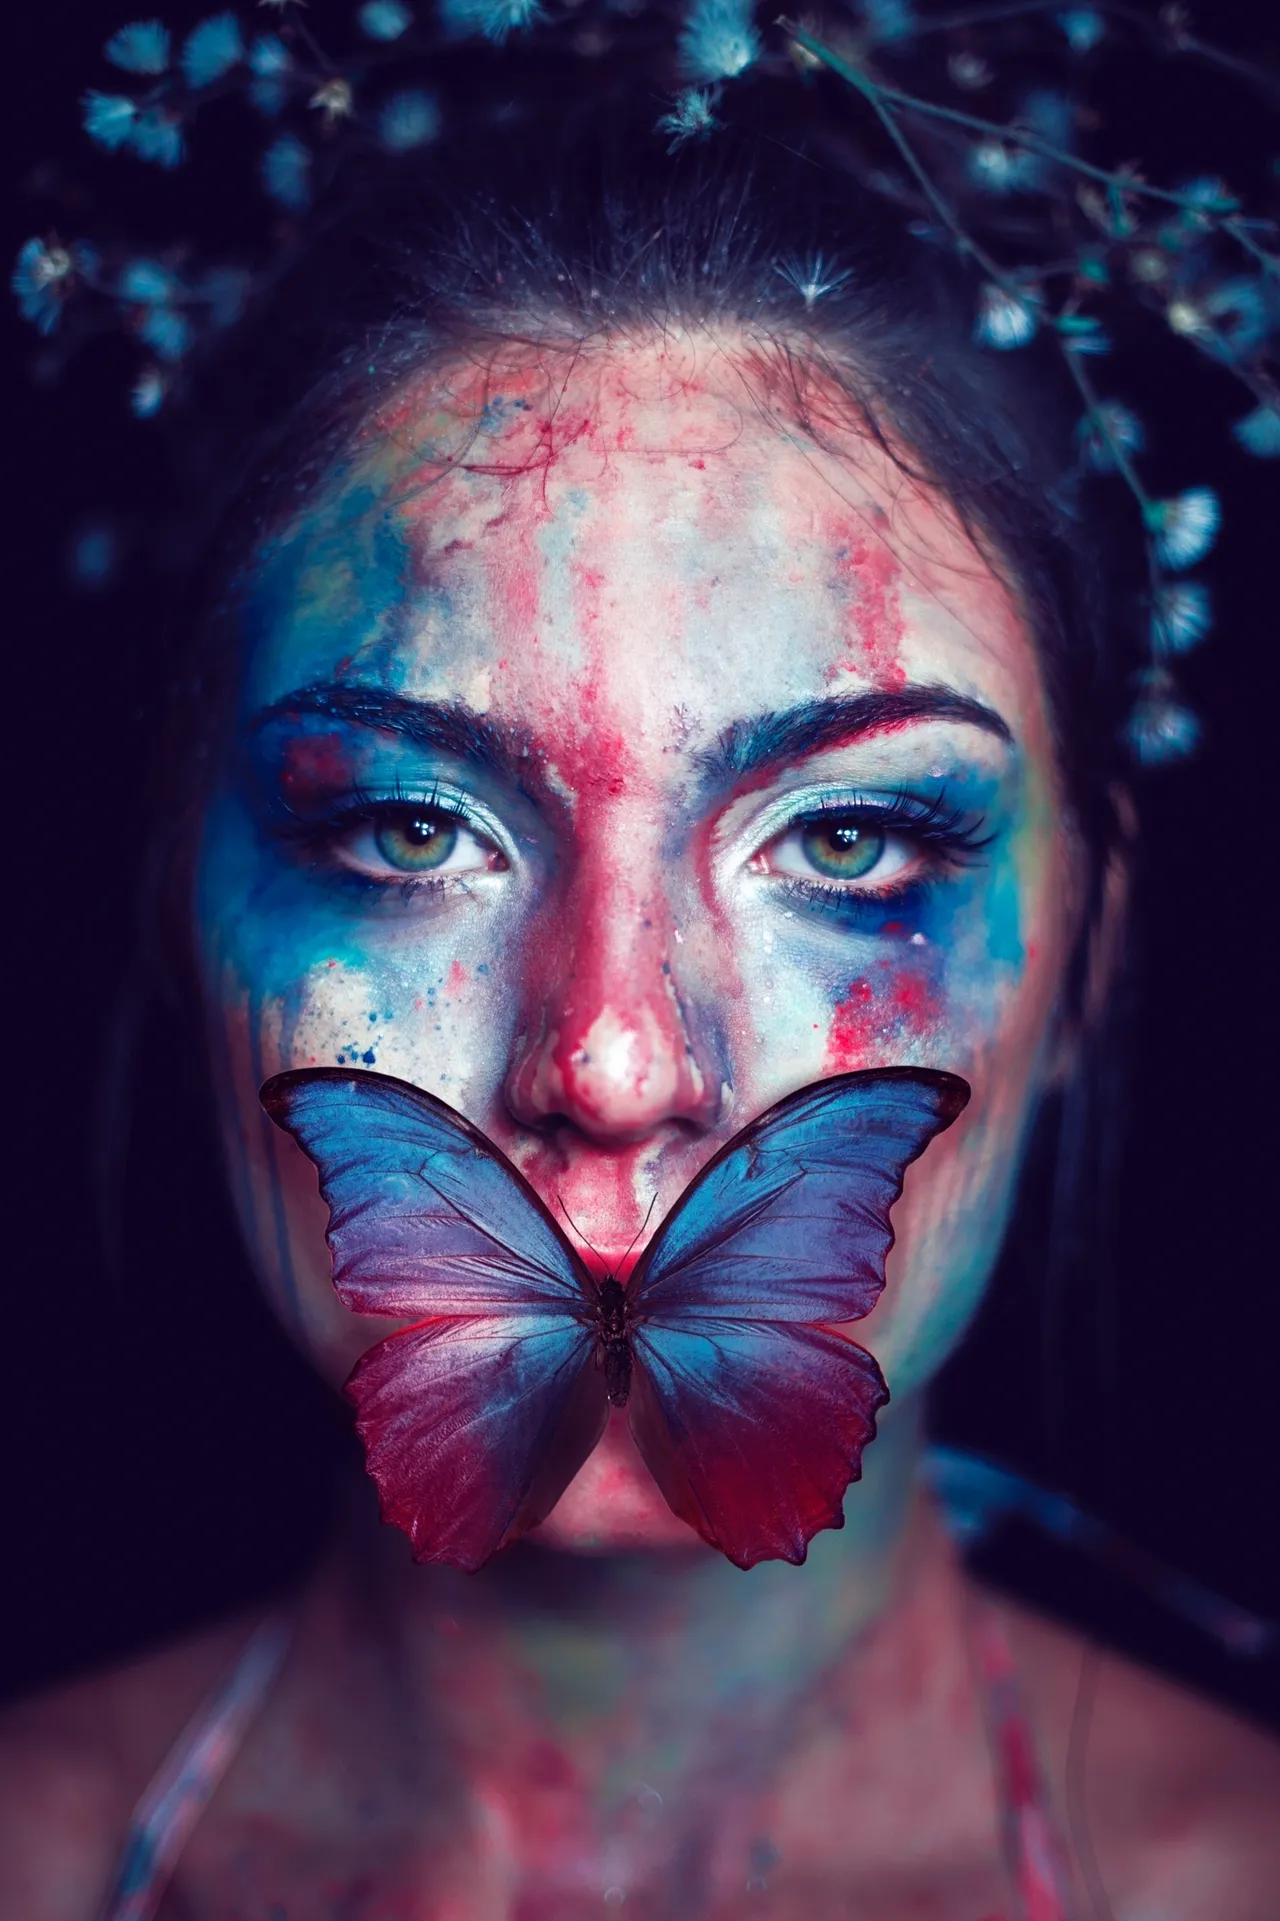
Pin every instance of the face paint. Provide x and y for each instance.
(611, 762)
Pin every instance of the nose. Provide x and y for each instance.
(611, 1042)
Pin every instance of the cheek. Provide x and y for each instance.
(289, 982)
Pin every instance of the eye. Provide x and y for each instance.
(410, 840)
(839, 847)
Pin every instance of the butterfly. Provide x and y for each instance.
(748, 1410)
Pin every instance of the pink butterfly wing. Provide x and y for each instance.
(751, 1414)
(475, 1419)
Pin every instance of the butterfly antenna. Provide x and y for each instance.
(595, 1250)
(640, 1230)
(577, 1230)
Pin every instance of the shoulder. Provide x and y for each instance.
(1167, 1800)
(74, 1763)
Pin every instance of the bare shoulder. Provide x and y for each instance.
(1172, 1802)
(74, 1762)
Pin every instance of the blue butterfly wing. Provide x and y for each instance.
(426, 1216)
(750, 1413)
(475, 1420)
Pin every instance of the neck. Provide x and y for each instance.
(620, 1687)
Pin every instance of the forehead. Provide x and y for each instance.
(640, 532)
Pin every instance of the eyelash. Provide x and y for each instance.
(322, 837)
(952, 838)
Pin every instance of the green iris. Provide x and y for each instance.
(842, 848)
(416, 839)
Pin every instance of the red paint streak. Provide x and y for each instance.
(315, 764)
(854, 1030)
(871, 576)
(457, 977)
(876, 1014)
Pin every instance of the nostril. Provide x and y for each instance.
(615, 1080)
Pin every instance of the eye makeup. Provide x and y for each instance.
(858, 855)
(357, 807)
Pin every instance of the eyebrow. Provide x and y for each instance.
(446, 727)
(746, 746)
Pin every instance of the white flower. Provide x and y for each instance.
(812, 278)
(1185, 527)
(108, 117)
(968, 70)
(408, 120)
(888, 19)
(1111, 425)
(268, 55)
(998, 167)
(1259, 432)
(1004, 320)
(141, 47)
(211, 49)
(286, 171)
(495, 19)
(691, 116)
(157, 136)
(148, 393)
(384, 19)
(41, 278)
(718, 40)
(1160, 728)
(1181, 616)
(1083, 27)
(333, 98)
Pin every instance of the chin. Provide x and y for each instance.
(612, 1505)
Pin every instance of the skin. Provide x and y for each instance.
(622, 563)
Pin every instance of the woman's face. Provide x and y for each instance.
(611, 761)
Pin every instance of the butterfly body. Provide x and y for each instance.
(747, 1402)
(613, 1340)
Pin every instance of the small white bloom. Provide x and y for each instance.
(998, 167)
(384, 19)
(269, 56)
(1111, 425)
(1004, 319)
(1160, 728)
(148, 393)
(141, 47)
(334, 99)
(718, 40)
(1185, 527)
(286, 171)
(888, 19)
(1259, 432)
(408, 120)
(1083, 27)
(108, 117)
(1181, 616)
(968, 70)
(495, 19)
(1185, 318)
(691, 116)
(814, 277)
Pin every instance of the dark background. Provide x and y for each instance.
(166, 1456)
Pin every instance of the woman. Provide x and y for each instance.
(640, 679)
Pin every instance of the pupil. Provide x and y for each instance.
(843, 849)
(414, 842)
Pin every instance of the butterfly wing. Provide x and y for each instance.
(476, 1419)
(750, 1413)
